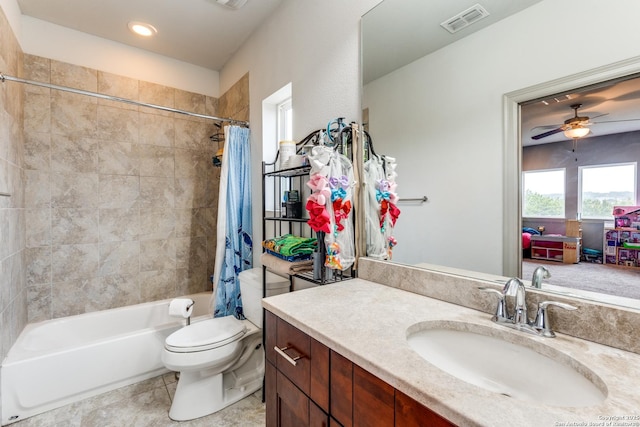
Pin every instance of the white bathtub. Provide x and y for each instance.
(60, 361)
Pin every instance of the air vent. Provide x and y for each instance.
(465, 18)
(232, 4)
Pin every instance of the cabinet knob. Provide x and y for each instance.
(281, 352)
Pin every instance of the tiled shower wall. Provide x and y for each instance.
(120, 200)
(13, 293)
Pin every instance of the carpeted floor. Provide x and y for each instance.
(607, 279)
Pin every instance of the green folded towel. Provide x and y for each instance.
(290, 245)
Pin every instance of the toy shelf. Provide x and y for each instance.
(556, 248)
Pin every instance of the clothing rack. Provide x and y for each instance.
(4, 77)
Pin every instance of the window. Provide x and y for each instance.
(604, 186)
(277, 125)
(285, 121)
(543, 193)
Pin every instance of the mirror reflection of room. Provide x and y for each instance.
(580, 152)
(450, 115)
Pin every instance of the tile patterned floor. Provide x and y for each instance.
(145, 404)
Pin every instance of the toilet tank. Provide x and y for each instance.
(251, 292)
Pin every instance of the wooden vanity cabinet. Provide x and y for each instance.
(326, 389)
(296, 376)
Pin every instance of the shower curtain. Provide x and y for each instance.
(234, 241)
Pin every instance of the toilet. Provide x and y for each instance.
(220, 360)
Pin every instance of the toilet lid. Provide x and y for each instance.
(206, 334)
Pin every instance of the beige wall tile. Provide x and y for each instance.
(74, 153)
(119, 258)
(38, 265)
(156, 161)
(191, 163)
(38, 232)
(189, 101)
(118, 195)
(119, 224)
(75, 117)
(117, 124)
(156, 129)
(156, 192)
(75, 76)
(156, 285)
(13, 233)
(152, 93)
(39, 302)
(37, 189)
(211, 106)
(119, 86)
(73, 226)
(74, 190)
(157, 255)
(74, 262)
(71, 297)
(115, 291)
(184, 217)
(192, 134)
(190, 193)
(37, 151)
(189, 281)
(191, 253)
(157, 223)
(39, 69)
(118, 158)
(119, 191)
(37, 112)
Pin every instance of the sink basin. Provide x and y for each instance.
(506, 363)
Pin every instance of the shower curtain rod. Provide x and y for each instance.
(4, 77)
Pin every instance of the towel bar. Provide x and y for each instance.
(414, 199)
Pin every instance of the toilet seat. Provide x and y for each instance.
(206, 335)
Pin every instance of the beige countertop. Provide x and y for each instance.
(367, 323)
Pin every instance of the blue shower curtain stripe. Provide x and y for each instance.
(238, 254)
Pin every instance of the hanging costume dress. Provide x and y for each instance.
(381, 211)
(330, 204)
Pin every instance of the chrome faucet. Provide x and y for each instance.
(519, 320)
(539, 273)
(515, 288)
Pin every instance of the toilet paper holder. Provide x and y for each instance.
(189, 318)
(181, 307)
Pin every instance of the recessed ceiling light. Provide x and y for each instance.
(142, 29)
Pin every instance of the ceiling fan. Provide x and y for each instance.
(575, 127)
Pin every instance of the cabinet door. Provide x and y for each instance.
(410, 413)
(271, 394)
(294, 355)
(373, 400)
(320, 375)
(317, 417)
(341, 386)
(292, 404)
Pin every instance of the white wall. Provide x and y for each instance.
(63, 44)
(315, 45)
(37, 37)
(12, 12)
(448, 137)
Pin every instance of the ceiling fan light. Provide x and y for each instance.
(576, 132)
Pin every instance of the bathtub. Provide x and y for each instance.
(61, 361)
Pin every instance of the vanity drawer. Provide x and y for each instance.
(303, 360)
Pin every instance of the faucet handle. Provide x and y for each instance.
(501, 309)
(542, 317)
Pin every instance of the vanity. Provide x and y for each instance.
(350, 340)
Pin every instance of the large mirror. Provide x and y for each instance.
(458, 112)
